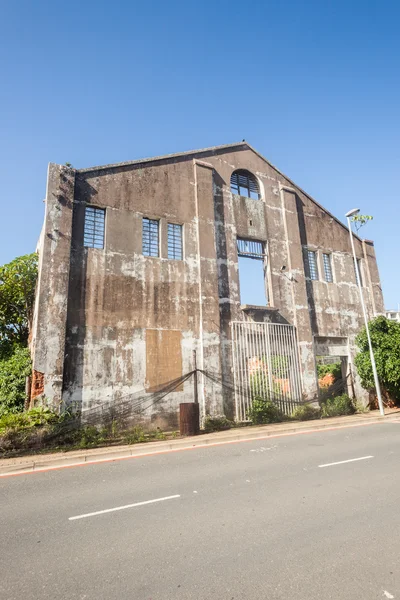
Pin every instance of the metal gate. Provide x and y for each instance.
(265, 365)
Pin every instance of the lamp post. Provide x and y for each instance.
(351, 213)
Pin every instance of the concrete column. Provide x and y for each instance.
(209, 352)
(301, 290)
(373, 282)
(48, 347)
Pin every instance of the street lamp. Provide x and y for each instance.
(351, 213)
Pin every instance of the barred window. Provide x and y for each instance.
(150, 237)
(93, 234)
(175, 241)
(328, 268)
(250, 248)
(245, 184)
(312, 264)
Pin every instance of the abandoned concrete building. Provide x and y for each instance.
(214, 251)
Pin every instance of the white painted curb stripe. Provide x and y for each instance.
(108, 510)
(342, 462)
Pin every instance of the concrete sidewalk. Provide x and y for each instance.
(43, 462)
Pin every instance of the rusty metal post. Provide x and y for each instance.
(189, 418)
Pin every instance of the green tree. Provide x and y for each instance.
(385, 338)
(13, 372)
(17, 292)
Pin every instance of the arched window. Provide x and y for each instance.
(245, 184)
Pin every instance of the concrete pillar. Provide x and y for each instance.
(209, 351)
(49, 327)
(301, 290)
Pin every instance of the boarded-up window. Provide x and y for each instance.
(163, 358)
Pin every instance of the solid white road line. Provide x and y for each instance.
(108, 510)
(342, 462)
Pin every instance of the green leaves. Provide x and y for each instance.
(361, 220)
(385, 338)
(13, 372)
(17, 292)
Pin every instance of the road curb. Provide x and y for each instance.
(41, 463)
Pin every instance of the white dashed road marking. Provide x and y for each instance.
(108, 510)
(342, 462)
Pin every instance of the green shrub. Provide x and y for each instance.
(135, 435)
(263, 411)
(88, 436)
(217, 423)
(14, 369)
(334, 369)
(36, 417)
(306, 412)
(339, 405)
(385, 338)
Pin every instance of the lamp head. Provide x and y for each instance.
(352, 212)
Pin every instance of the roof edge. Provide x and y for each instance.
(216, 149)
(304, 192)
(163, 157)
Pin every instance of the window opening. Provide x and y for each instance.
(359, 271)
(252, 265)
(93, 235)
(312, 264)
(175, 241)
(245, 184)
(150, 242)
(327, 268)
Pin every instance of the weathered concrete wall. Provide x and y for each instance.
(120, 303)
(289, 222)
(50, 315)
(118, 296)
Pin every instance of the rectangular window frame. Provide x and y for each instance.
(94, 227)
(250, 248)
(151, 237)
(313, 272)
(174, 241)
(327, 265)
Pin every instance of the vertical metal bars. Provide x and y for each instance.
(265, 365)
(245, 184)
(327, 267)
(175, 241)
(150, 237)
(250, 248)
(312, 264)
(93, 233)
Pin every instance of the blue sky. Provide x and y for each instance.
(313, 85)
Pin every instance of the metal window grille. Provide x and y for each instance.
(359, 271)
(312, 264)
(245, 184)
(250, 249)
(327, 268)
(93, 234)
(150, 241)
(175, 241)
(265, 365)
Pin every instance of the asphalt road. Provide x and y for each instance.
(265, 519)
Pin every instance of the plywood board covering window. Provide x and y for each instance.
(163, 358)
